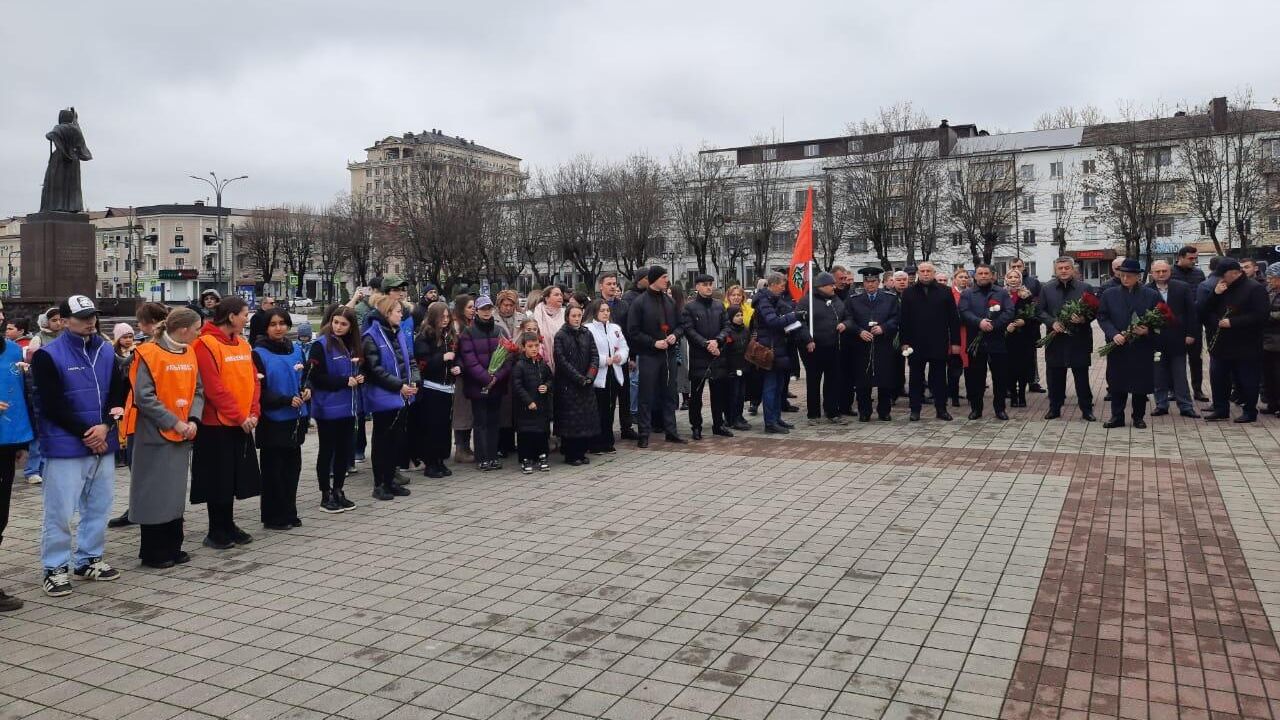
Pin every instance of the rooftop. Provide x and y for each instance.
(437, 137)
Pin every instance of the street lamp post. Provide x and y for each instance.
(218, 186)
(9, 285)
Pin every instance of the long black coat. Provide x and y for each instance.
(526, 376)
(703, 320)
(930, 322)
(651, 317)
(1074, 350)
(1246, 305)
(882, 369)
(1130, 367)
(1186, 324)
(577, 362)
(975, 306)
(828, 313)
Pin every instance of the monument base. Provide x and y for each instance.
(58, 255)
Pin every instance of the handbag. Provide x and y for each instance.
(759, 355)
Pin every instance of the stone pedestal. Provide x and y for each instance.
(58, 258)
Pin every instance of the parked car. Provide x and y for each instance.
(301, 302)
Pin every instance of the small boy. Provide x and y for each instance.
(531, 387)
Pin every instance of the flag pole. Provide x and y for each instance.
(811, 308)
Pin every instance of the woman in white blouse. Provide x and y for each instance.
(611, 345)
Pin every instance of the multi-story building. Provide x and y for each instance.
(390, 161)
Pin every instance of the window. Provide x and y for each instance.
(780, 240)
(178, 229)
(801, 199)
(1028, 237)
(898, 237)
(1166, 192)
(1164, 229)
(177, 241)
(1089, 201)
(1059, 202)
(1027, 203)
(857, 244)
(811, 150)
(368, 187)
(208, 230)
(1271, 149)
(1055, 170)
(855, 146)
(106, 266)
(1273, 222)
(770, 154)
(1159, 157)
(901, 140)
(728, 206)
(178, 262)
(1027, 172)
(151, 262)
(957, 239)
(1059, 235)
(954, 176)
(992, 171)
(1087, 167)
(780, 200)
(895, 208)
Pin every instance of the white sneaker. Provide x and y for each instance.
(34, 479)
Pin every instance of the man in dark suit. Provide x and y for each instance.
(1072, 348)
(820, 350)
(873, 320)
(1173, 341)
(1236, 311)
(929, 332)
(986, 311)
(1032, 283)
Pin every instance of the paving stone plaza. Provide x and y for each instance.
(971, 569)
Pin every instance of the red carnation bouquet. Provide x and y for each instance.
(1154, 320)
(1086, 307)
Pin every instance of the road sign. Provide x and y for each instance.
(293, 281)
(4, 286)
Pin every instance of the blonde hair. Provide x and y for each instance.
(385, 304)
(179, 318)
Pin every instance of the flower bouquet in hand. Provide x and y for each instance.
(1217, 332)
(1086, 308)
(505, 351)
(1153, 320)
(1027, 314)
(993, 308)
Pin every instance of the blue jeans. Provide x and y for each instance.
(774, 394)
(635, 390)
(85, 485)
(35, 461)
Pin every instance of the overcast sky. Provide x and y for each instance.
(287, 91)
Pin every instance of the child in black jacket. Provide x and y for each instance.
(531, 392)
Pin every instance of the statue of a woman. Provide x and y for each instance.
(62, 178)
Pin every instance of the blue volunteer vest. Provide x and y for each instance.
(15, 423)
(377, 399)
(335, 404)
(86, 379)
(283, 379)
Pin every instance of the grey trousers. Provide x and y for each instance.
(1171, 380)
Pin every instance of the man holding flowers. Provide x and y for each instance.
(1067, 309)
(1126, 320)
(986, 310)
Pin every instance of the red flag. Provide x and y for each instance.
(798, 277)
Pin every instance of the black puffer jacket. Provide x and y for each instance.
(576, 365)
(526, 376)
(703, 320)
(828, 313)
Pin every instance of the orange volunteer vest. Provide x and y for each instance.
(235, 368)
(175, 377)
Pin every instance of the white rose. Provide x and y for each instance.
(994, 308)
(872, 323)
(299, 366)
(1158, 356)
(906, 352)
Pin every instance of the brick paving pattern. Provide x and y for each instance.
(882, 570)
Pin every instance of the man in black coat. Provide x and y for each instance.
(258, 322)
(1032, 283)
(1174, 340)
(1131, 365)
(1114, 280)
(653, 331)
(705, 327)
(611, 294)
(986, 310)
(1186, 270)
(929, 332)
(1072, 347)
(847, 374)
(1236, 311)
(821, 350)
(1195, 357)
(873, 319)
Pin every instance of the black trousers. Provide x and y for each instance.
(955, 371)
(160, 542)
(1058, 386)
(884, 398)
(222, 521)
(737, 396)
(574, 448)
(975, 379)
(361, 441)
(484, 427)
(8, 455)
(1195, 362)
(531, 445)
(388, 446)
(506, 440)
(822, 382)
(721, 402)
(658, 392)
(623, 400)
(1271, 373)
(937, 382)
(606, 398)
(281, 467)
(846, 377)
(334, 453)
(1243, 374)
(1118, 402)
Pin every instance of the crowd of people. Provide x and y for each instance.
(211, 404)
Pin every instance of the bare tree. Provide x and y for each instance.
(980, 192)
(301, 231)
(524, 227)
(700, 200)
(1069, 116)
(361, 232)
(1134, 183)
(262, 239)
(1065, 200)
(766, 202)
(869, 195)
(331, 248)
(635, 203)
(575, 214)
(834, 220)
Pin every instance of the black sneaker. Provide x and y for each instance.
(434, 472)
(343, 502)
(57, 582)
(96, 569)
(444, 469)
(296, 522)
(741, 425)
(181, 558)
(526, 467)
(217, 543)
(543, 465)
(276, 526)
(330, 503)
(241, 537)
(381, 493)
(399, 491)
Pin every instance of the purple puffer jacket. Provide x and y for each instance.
(475, 348)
